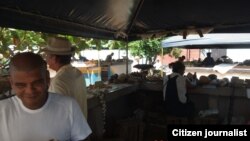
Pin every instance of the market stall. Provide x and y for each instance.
(140, 19)
(217, 105)
(92, 72)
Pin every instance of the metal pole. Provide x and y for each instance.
(161, 61)
(126, 57)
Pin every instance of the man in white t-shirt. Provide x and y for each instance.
(34, 114)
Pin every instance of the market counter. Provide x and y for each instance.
(107, 106)
(230, 102)
(116, 91)
(219, 91)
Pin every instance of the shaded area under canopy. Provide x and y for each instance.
(126, 19)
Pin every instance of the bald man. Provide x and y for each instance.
(34, 113)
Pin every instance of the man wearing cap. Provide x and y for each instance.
(68, 79)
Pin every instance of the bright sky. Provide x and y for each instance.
(238, 55)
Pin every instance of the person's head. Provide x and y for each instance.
(58, 52)
(178, 67)
(209, 54)
(170, 65)
(112, 54)
(29, 78)
(182, 58)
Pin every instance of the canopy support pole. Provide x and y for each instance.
(161, 61)
(126, 57)
(134, 16)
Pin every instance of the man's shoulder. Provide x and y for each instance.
(7, 103)
(67, 71)
(62, 101)
(4, 102)
(60, 97)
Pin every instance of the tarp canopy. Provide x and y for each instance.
(126, 19)
(209, 41)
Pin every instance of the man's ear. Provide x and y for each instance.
(10, 81)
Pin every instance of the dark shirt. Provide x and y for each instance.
(208, 62)
(82, 58)
(173, 106)
(109, 58)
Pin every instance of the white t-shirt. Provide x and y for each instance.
(60, 119)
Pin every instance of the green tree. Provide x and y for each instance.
(14, 40)
(113, 44)
(150, 48)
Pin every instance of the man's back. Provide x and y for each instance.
(109, 57)
(208, 61)
(70, 81)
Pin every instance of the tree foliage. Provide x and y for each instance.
(14, 40)
(150, 48)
